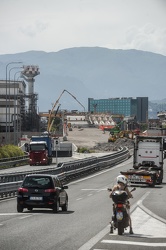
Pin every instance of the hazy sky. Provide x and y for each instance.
(53, 25)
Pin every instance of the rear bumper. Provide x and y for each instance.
(36, 204)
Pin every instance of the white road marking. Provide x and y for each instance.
(94, 189)
(88, 245)
(24, 217)
(9, 214)
(90, 194)
(134, 243)
(78, 199)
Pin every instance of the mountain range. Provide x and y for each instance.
(94, 72)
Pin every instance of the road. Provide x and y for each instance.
(86, 224)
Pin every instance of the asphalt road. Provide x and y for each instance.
(86, 224)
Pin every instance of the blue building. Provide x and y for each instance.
(127, 106)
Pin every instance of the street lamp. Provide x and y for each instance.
(15, 103)
(6, 139)
(10, 97)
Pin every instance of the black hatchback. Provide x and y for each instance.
(42, 191)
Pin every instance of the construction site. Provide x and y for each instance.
(19, 113)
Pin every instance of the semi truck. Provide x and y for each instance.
(148, 160)
(40, 150)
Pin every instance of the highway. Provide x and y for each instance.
(85, 225)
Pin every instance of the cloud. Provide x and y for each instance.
(148, 37)
(34, 29)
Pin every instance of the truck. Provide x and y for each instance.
(40, 150)
(148, 158)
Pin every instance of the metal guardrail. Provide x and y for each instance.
(13, 161)
(68, 171)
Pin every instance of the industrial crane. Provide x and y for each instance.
(50, 120)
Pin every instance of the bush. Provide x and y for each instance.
(8, 151)
(83, 150)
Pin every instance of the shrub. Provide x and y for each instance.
(8, 151)
(83, 150)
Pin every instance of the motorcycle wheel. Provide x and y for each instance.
(120, 228)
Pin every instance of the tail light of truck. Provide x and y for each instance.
(22, 190)
(50, 190)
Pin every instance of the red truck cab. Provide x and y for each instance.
(38, 153)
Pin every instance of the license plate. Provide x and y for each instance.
(119, 216)
(36, 198)
(136, 178)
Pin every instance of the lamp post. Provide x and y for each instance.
(15, 103)
(9, 98)
(6, 139)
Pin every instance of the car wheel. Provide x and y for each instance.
(56, 207)
(19, 208)
(65, 206)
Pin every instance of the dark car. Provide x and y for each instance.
(42, 191)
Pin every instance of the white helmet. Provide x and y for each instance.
(121, 178)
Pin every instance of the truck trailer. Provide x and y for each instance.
(147, 161)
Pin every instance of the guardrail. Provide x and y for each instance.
(68, 171)
(13, 161)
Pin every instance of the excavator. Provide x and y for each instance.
(52, 115)
(117, 132)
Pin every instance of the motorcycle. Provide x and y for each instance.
(120, 218)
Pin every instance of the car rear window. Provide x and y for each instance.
(38, 182)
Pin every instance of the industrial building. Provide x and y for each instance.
(126, 106)
(18, 106)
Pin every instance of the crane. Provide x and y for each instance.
(50, 122)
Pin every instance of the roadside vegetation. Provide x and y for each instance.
(85, 150)
(8, 151)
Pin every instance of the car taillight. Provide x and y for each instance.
(50, 190)
(22, 190)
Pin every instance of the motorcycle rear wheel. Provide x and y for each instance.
(120, 228)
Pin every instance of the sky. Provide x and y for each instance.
(53, 25)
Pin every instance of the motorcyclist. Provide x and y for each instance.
(122, 185)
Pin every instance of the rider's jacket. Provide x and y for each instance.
(123, 187)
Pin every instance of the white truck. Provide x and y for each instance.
(148, 160)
